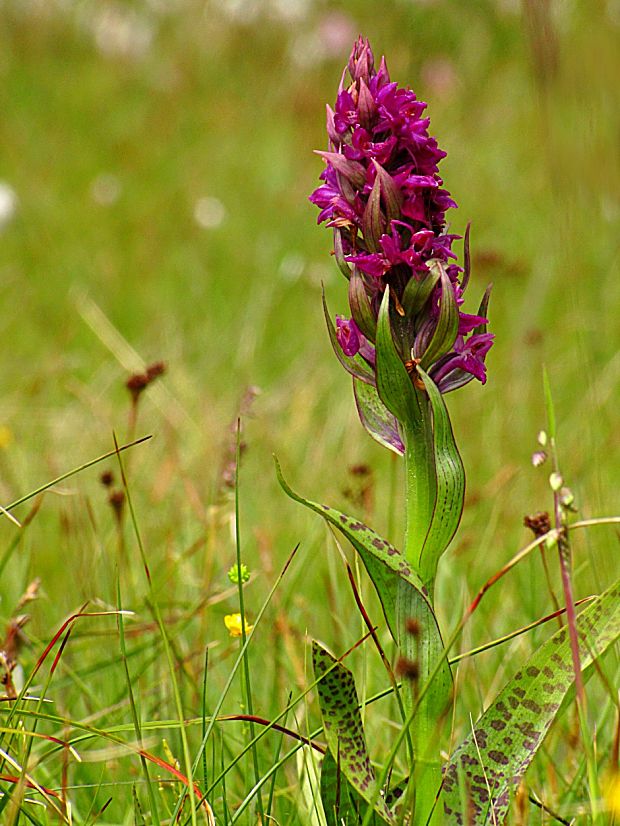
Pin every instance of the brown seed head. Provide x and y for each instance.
(408, 669)
(107, 478)
(412, 626)
(136, 384)
(117, 502)
(539, 523)
(153, 371)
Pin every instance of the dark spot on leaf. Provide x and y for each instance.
(498, 757)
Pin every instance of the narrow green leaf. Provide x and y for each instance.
(343, 727)
(393, 381)
(344, 267)
(493, 759)
(376, 418)
(417, 293)
(355, 365)
(450, 486)
(448, 322)
(483, 309)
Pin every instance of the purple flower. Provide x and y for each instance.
(382, 195)
(348, 335)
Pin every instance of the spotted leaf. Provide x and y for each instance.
(487, 768)
(341, 803)
(406, 604)
(343, 727)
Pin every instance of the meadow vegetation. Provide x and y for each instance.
(156, 164)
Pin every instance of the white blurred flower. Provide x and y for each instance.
(330, 38)
(290, 10)
(239, 11)
(440, 77)
(292, 266)
(105, 189)
(209, 212)
(8, 203)
(337, 31)
(122, 32)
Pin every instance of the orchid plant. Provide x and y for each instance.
(407, 343)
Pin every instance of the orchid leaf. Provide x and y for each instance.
(344, 267)
(417, 293)
(450, 485)
(403, 598)
(385, 564)
(394, 384)
(483, 310)
(336, 794)
(447, 327)
(489, 764)
(344, 731)
(376, 418)
(355, 365)
(341, 803)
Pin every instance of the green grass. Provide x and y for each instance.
(232, 110)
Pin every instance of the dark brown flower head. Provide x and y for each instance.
(107, 478)
(407, 669)
(539, 523)
(412, 626)
(155, 370)
(136, 384)
(117, 502)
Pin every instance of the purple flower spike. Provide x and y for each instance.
(382, 194)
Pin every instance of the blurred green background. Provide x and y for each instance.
(156, 159)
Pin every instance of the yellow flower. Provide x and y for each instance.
(6, 436)
(233, 624)
(612, 794)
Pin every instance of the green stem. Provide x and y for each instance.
(420, 481)
(421, 494)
